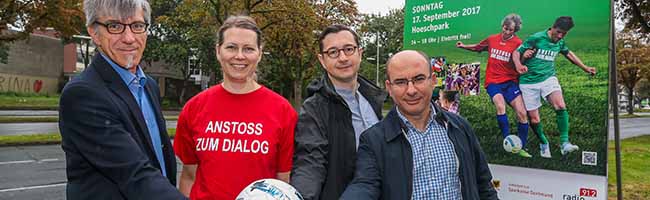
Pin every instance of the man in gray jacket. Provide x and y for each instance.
(340, 106)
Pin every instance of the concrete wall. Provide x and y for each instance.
(36, 63)
(162, 69)
(38, 56)
(28, 84)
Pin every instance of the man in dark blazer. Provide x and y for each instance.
(114, 135)
(419, 151)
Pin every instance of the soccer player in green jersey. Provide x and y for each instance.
(538, 79)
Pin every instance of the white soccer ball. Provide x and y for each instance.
(512, 144)
(269, 189)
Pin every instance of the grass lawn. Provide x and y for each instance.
(31, 119)
(10, 101)
(635, 155)
(14, 101)
(45, 138)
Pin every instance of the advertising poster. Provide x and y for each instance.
(555, 102)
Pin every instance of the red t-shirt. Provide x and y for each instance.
(234, 139)
(500, 67)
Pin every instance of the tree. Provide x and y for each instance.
(293, 43)
(387, 32)
(289, 29)
(180, 30)
(65, 16)
(632, 62)
(636, 14)
(643, 89)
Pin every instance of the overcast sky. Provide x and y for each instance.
(378, 6)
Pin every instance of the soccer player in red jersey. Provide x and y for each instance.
(501, 79)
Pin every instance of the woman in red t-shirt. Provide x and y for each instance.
(238, 131)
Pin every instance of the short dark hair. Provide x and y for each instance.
(335, 29)
(239, 21)
(449, 95)
(564, 23)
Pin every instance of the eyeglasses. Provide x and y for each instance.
(118, 28)
(403, 83)
(334, 52)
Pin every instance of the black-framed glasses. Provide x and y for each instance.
(417, 81)
(118, 28)
(334, 52)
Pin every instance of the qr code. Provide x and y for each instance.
(589, 158)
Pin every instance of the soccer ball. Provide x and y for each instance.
(512, 144)
(269, 189)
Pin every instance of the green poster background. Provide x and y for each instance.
(471, 21)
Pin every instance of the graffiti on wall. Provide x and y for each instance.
(27, 84)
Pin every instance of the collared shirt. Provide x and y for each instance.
(135, 83)
(435, 165)
(363, 116)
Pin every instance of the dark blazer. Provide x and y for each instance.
(107, 146)
(385, 161)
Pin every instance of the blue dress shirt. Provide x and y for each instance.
(136, 83)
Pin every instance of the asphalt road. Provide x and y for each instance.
(630, 127)
(33, 173)
(38, 172)
(29, 113)
(46, 127)
(54, 112)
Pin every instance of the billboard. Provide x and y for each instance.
(559, 93)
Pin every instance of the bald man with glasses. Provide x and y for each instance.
(339, 106)
(419, 151)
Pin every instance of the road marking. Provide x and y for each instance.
(17, 162)
(29, 161)
(32, 187)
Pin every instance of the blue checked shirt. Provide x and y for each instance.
(135, 83)
(435, 165)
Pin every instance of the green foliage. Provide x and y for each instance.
(643, 89)
(635, 153)
(65, 17)
(35, 139)
(368, 69)
(387, 31)
(169, 104)
(188, 28)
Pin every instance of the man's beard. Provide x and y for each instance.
(129, 62)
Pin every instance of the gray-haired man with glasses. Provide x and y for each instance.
(113, 132)
(419, 151)
(339, 106)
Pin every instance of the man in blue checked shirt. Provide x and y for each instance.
(419, 151)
